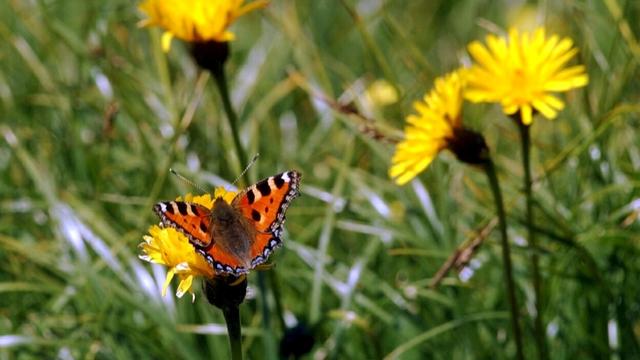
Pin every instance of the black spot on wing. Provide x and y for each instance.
(195, 209)
(168, 207)
(292, 193)
(255, 215)
(203, 227)
(251, 196)
(263, 187)
(279, 181)
(182, 208)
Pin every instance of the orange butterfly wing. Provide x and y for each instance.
(193, 220)
(264, 205)
(222, 261)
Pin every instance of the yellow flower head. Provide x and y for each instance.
(429, 131)
(170, 247)
(196, 20)
(522, 72)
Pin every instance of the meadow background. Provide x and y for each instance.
(93, 114)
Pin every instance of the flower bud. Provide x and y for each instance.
(225, 292)
(210, 55)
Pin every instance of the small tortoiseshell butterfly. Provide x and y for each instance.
(236, 237)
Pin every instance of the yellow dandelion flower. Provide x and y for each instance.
(522, 73)
(430, 130)
(170, 247)
(196, 20)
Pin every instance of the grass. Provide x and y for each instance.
(93, 114)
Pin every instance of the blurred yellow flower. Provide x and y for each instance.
(196, 20)
(170, 247)
(381, 93)
(429, 131)
(522, 72)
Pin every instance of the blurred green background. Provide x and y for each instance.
(93, 114)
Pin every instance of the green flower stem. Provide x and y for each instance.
(221, 81)
(232, 318)
(535, 263)
(506, 256)
(227, 293)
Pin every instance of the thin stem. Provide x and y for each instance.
(506, 256)
(227, 293)
(221, 82)
(232, 318)
(538, 327)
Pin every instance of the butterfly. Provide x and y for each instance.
(238, 236)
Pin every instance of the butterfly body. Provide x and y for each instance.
(236, 237)
(233, 232)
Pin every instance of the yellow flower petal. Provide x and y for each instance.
(522, 71)
(545, 109)
(554, 102)
(438, 114)
(225, 194)
(167, 281)
(171, 248)
(526, 113)
(166, 41)
(184, 286)
(196, 20)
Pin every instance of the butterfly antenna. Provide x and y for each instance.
(187, 180)
(253, 160)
